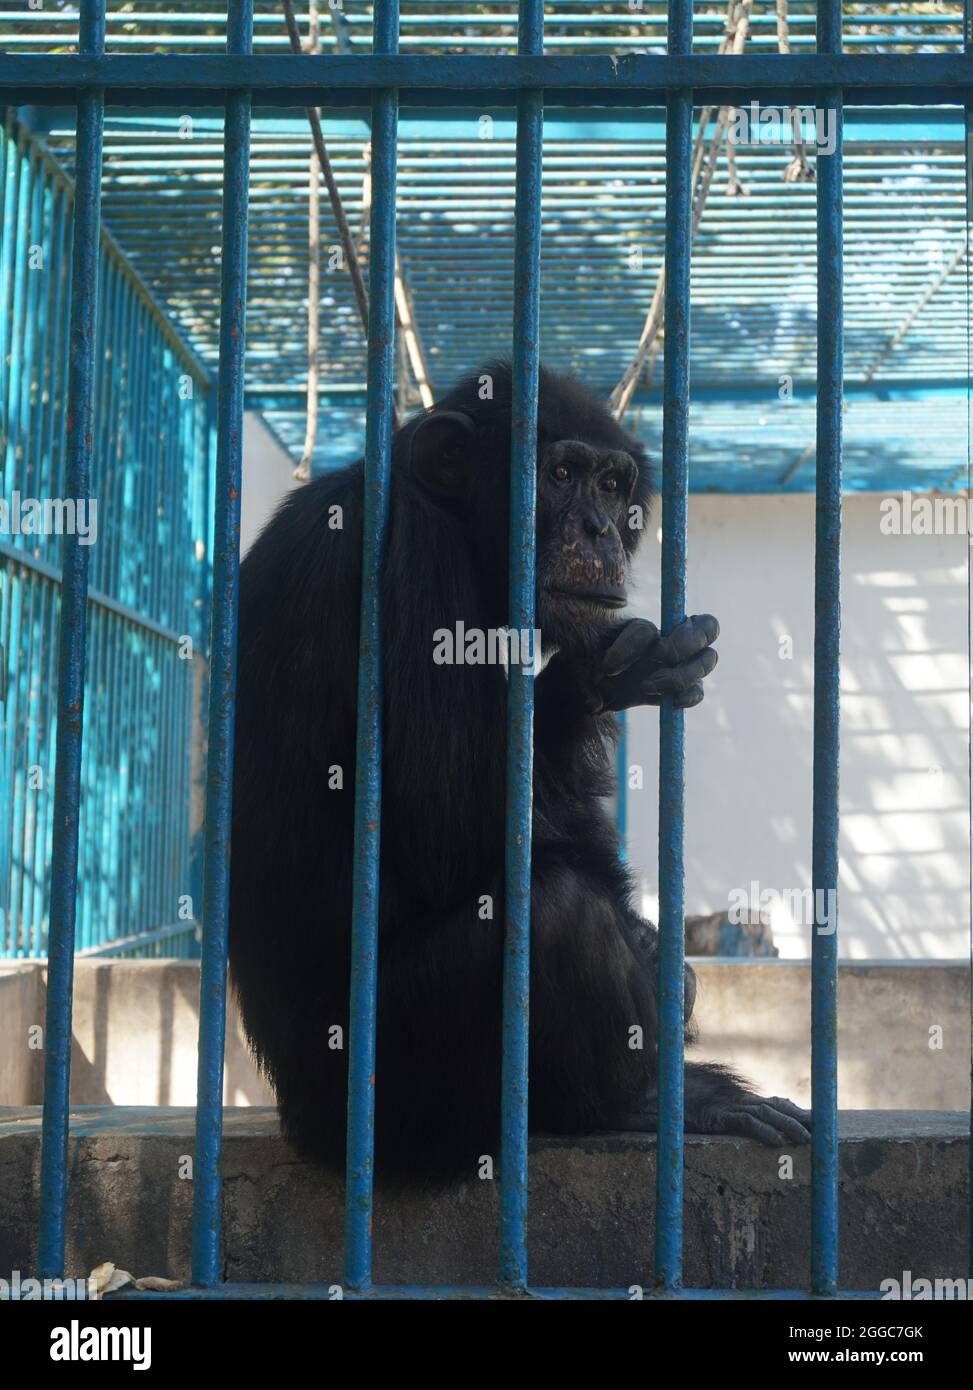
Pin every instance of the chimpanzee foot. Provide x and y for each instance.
(717, 1101)
(770, 1119)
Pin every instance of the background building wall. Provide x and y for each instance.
(904, 885)
(268, 475)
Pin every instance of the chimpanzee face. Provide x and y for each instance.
(593, 491)
(584, 492)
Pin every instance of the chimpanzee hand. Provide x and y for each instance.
(640, 667)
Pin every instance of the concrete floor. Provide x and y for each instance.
(904, 1179)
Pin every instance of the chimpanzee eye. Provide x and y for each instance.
(610, 484)
(560, 473)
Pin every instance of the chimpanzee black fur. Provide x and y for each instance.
(442, 842)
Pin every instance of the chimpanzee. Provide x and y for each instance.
(593, 959)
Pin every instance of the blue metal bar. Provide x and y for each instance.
(828, 27)
(520, 686)
(675, 486)
(129, 944)
(968, 126)
(368, 749)
(71, 664)
(290, 79)
(621, 785)
(202, 510)
(19, 207)
(377, 1293)
(827, 617)
(270, 398)
(222, 663)
(645, 123)
(165, 26)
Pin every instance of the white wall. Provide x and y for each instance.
(268, 473)
(904, 880)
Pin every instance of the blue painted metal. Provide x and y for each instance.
(968, 127)
(675, 485)
(621, 785)
(207, 1185)
(133, 657)
(752, 287)
(204, 492)
(827, 617)
(335, 80)
(442, 124)
(730, 393)
(520, 686)
(19, 556)
(452, 24)
(145, 945)
(473, 1293)
(368, 751)
(71, 667)
(455, 24)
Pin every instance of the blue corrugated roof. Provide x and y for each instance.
(754, 263)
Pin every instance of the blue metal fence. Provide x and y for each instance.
(142, 398)
(455, 25)
(827, 77)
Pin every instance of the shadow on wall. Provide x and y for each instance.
(135, 1028)
(904, 884)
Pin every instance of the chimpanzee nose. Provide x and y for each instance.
(596, 525)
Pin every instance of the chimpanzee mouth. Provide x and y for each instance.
(598, 598)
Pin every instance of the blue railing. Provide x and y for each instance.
(827, 77)
(138, 450)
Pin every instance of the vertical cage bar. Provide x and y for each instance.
(71, 663)
(202, 448)
(675, 484)
(827, 622)
(222, 663)
(968, 139)
(520, 686)
(368, 748)
(621, 785)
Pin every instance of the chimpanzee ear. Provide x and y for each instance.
(439, 452)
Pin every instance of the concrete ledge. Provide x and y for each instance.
(22, 996)
(903, 1183)
(135, 1027)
